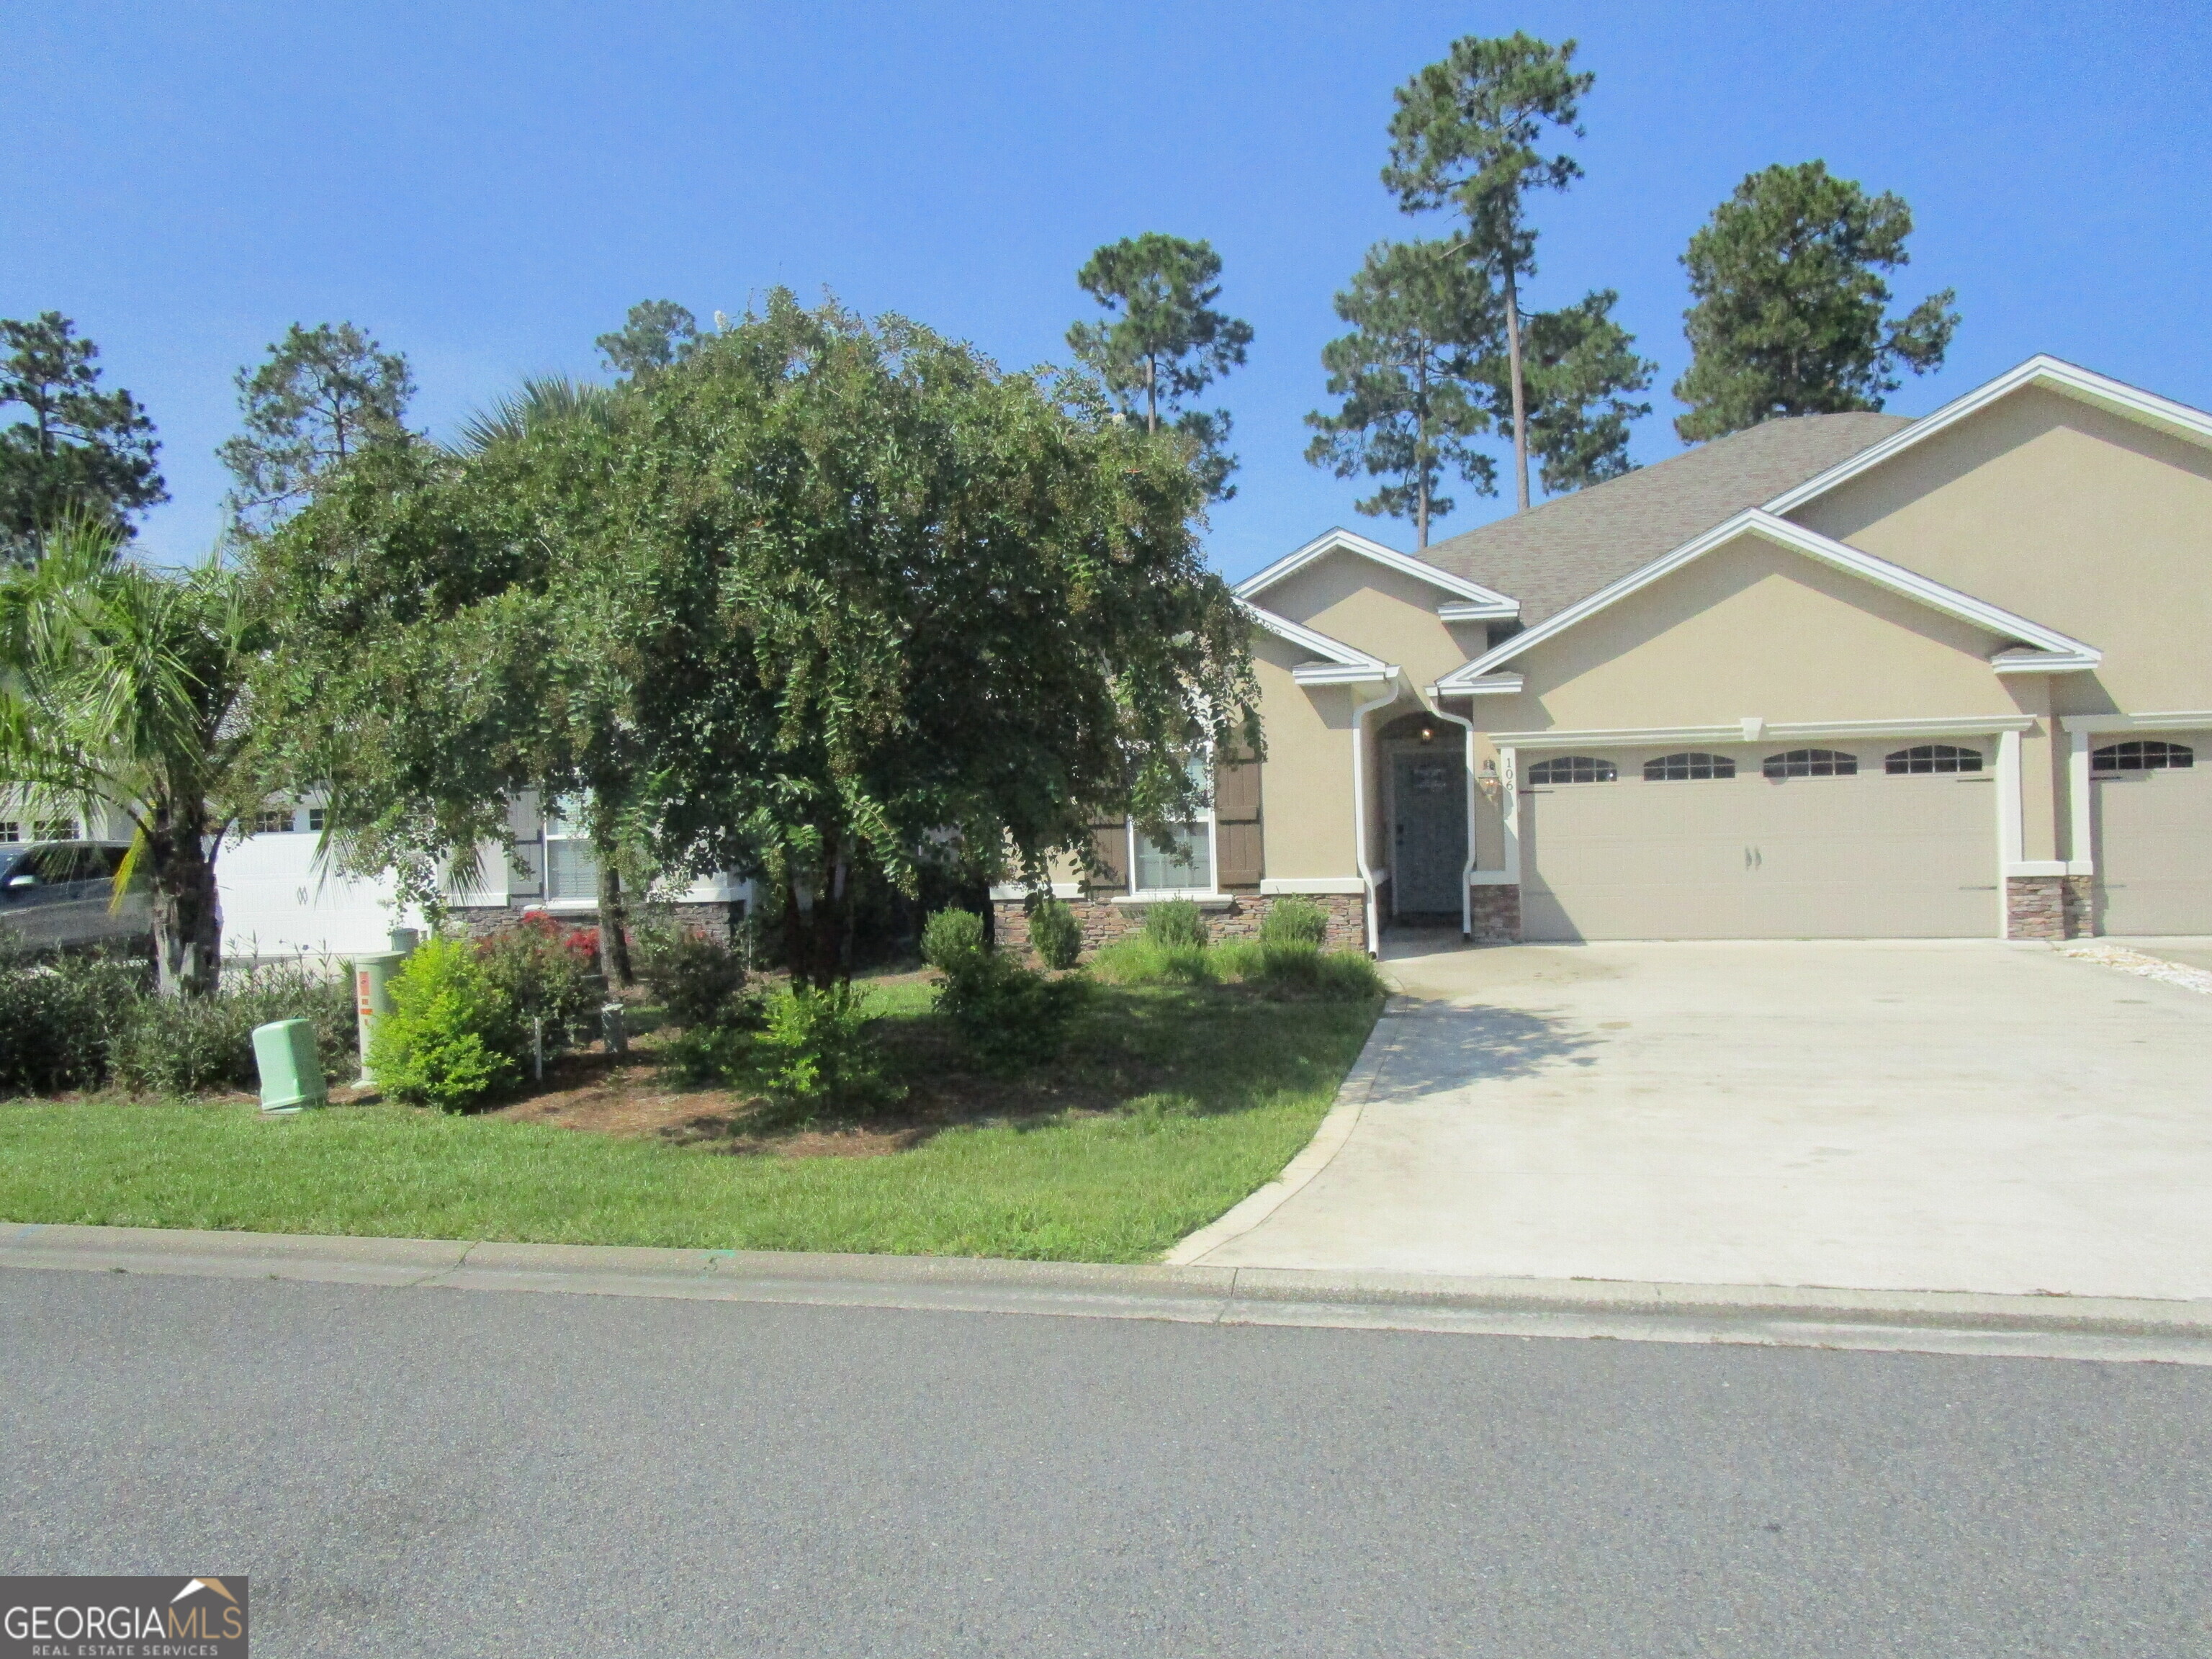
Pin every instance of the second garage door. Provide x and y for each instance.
(1743, 843)
(2153, 802)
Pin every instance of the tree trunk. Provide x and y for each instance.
(614, 920)
(1519, 397)
(1151, 395)
(815, 947)
(187, 913)
(1421, 457)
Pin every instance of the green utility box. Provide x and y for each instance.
(371, 974)
(291, 1070)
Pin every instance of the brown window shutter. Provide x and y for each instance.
(1109, 847)
(1238, 842)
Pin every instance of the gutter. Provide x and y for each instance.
(1360, 711)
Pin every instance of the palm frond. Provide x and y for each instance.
(541, 401)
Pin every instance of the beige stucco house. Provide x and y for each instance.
(1832, 676)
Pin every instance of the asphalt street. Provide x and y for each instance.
(449, 1473)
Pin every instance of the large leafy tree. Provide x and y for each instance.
(1468, 136)
(838, 599)
(75, 450)
(322, 395)
(654, 334)
(122, 689)
(1407, 376)
(1164, 340)
(445, 644)
(1790, 310)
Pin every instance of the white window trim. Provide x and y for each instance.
(1136, 894)
(1133, 894)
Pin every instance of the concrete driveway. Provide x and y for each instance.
(1942, 1115)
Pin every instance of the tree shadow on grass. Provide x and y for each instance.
(1437, 1046)
(1205, 1050)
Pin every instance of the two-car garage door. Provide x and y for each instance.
(1754, 844)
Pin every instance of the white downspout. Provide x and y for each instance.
(1466, 870)
(1360, 711)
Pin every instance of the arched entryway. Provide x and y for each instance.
(1424, 819)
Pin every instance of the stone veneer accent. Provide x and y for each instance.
(2048, 906)
(1104, 921)
(1497, 913)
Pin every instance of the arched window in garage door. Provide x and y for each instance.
(2142, 755)
(1812, 763)
(1572, 769)
(1675, 769)
(1932, 757)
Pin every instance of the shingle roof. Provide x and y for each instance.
(1567, 549)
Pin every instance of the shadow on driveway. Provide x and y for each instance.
(1442, 1046)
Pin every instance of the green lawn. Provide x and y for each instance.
(1207, 1092)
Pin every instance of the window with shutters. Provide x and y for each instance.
(1219, 848)
(1928, 757)
(1675, 769)
(1812, 763)
(2141, 755)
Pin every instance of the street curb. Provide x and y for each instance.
(1784, 1315)
(1328, 1141)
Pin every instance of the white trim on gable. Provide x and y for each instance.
(2052, 373)
(1480, 602)
(1332, 651)
(1760, 522)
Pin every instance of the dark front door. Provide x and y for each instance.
(1428, 850)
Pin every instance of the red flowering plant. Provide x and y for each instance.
(550, 970)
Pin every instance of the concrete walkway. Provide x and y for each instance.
(1952, 1116)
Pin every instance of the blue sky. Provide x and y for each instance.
(487, 187)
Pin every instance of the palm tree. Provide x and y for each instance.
(541, 401)
(123, 690)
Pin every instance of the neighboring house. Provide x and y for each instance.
(278, 900)
(1831, 676)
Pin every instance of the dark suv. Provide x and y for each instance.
(57, 895)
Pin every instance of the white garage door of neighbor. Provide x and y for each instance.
(2154, 838)
(1868, 856)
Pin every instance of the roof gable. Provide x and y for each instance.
(1341, 664)
(1473, 602)
(2048, 372)
(2046, 650)
(1564, 549)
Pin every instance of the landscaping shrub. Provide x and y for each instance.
(815, 1052)
(708, 1054)
(1008, 1015)
(1294, 922)
(189, 1045)
(1348, 976)
(1280, 969)
(1175, 922)
(1143, 961)
(953, 941)
(58, 1019)
(697, 979)
(1056, 934)
(549, 972)
(452, 1036)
